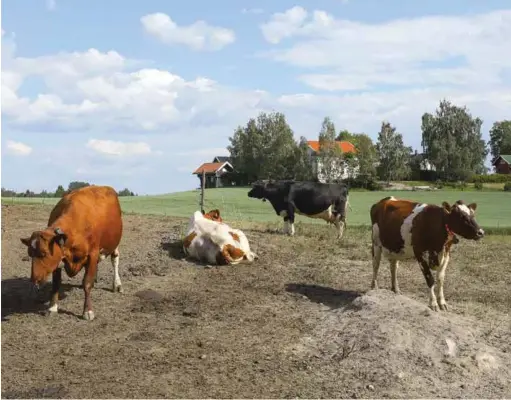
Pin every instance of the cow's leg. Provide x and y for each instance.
(291, 218)
(394, 265)
(340, 224)
(88, 284)
(286, 225)
(426, 271)
(440, 278)
(56, 280)
(116, 286)
(376, 251)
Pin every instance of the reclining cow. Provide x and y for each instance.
(327, 201)
(403, 230)
(84, 227)
(209, 239)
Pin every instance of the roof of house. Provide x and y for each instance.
(345, 146)
(505, 157)
(222, 158)
(210, 168)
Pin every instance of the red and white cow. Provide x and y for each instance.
(209, 239)
(404, 230)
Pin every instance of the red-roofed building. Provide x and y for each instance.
(343, 171)
(215, 172)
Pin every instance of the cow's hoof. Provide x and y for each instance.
(374, 286)
(49, 313)
(444, 307)
(396, 291)
(88, 315)
(434, 307)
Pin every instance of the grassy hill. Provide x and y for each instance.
(494, 208)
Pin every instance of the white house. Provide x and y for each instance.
(342, 172)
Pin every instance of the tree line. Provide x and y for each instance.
(451, 142)
(59, 192)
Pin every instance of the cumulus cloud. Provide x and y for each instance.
(198, 36)
(283, 25)
(114, 148)
(106, 93)
(419, 52)
(18, 148)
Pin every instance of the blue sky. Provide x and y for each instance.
(139, 94)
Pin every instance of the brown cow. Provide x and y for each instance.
(405, 230)
(84, 227)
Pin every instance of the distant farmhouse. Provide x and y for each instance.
(220, 172)
(341, 172)
(502, 164)
(217, 173)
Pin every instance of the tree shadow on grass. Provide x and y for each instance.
(18, 297)
(333, 298)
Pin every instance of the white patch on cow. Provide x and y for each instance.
(406, 234)
(33, 243)
(392, 198)
(53, 308)
(326, 214)
(463, 208)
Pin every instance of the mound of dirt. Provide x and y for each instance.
(405, 349)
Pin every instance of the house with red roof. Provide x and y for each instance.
(342, 169)
(216, 173)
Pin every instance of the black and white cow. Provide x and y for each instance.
(326, 201)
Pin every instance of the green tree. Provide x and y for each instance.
(303, 164)
(329, 162)
(264, 148)
(125, 192)
(60, 191)
(500, 138)
(394, 156)
(76, 185)
(453, 143)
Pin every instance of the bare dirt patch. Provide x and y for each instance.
(300, 322)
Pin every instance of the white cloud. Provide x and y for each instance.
(198, 36)
(102, 92)
(18, 148)
(459, 51)
(114, 148)
(51, 5)
(283, 25)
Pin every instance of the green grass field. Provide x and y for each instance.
(494, 208)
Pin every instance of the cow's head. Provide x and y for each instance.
(460, 219)
(258, 190)
(45, 250)
(213, 215)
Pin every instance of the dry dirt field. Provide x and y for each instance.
(299, 322)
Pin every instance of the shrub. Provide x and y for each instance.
(478, 186)
(363, 182)
(507, 187)
(493, 178)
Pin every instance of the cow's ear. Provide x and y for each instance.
(216, 213)
(25, 241)
(472, 206)
(446, 206)
(60, 237)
